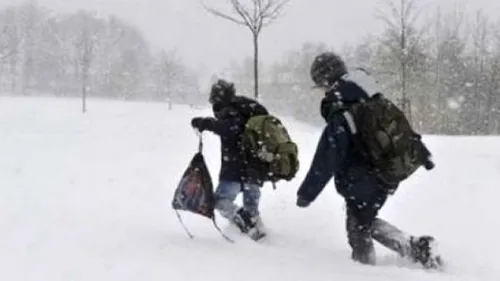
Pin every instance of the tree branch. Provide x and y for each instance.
(386, 20)
(257, 8)
(255, 16)
(272, 11)
(222, 15)
(244, 14)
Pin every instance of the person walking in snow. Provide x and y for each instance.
(340, 154)
(238, 173)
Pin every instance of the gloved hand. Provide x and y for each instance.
(302, 203)
(428, 164)
(199, 123)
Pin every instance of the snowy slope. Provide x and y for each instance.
(87, 197)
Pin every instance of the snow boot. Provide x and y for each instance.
(423, 251)
(252, 226)
(242, 220)
(257, 231)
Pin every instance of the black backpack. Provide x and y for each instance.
(391, 145)
(195, 192)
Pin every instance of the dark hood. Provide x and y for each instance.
(245, 106)
(351, 88)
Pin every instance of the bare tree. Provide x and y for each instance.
(31, 20)
(10, 40)
(403, 41)
(8, 46)
(492, 102)
(481, 40)
(120, 67)
(88, 38)
(86, 45)
(449, 69)
(167, 67)
(255, 15)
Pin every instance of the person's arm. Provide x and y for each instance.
(329, 156)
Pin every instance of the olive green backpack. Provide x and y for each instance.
(267, 140)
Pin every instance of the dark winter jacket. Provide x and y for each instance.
(337, 154)
(229, 122)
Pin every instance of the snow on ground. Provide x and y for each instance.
(87, 197)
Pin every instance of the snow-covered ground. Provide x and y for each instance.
(87, 197)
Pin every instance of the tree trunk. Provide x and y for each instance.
(256, 64)
(13, 72)
(490, 99)
(441, 113)
(405, 103)
(87, 57)
(84, 89)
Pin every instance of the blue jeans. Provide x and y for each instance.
(226, 193)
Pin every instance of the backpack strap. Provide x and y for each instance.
(220, 231)
(350, 122)
(191, 236)
(184, 225)
(200, 142)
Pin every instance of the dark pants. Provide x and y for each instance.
(359, 226)
(363, 227)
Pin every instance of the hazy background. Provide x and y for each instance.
(210, 43)
(447, 77)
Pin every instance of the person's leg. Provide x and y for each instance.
(417, 249)
(391, 237)
(225, 194)
(361, 214)
(251, 199)
(359, 236)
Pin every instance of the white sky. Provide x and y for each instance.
(209, 43)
